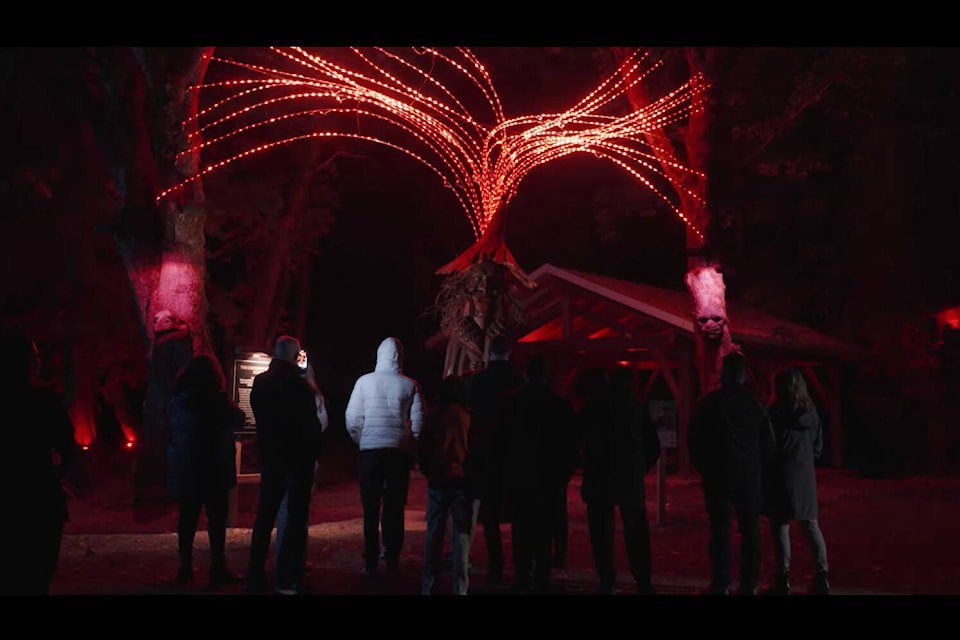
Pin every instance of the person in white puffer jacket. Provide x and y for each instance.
(384, 417)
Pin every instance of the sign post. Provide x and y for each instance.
(664, 416)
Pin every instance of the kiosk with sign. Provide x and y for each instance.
(247, 365)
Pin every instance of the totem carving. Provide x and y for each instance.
(711, 326)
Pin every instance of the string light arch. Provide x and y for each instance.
(405, 100)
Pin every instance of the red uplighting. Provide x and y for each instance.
(129, 444)
(85, 447)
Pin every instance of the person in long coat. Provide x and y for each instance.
(540, 458)
(620, 446)
(201, 460)
(790, 481)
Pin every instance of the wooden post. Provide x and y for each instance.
(684, 409)
(661, 490)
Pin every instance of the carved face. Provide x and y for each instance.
(712, 327)
(166, 321)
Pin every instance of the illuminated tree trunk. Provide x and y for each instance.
(476, 301)
(695, 142)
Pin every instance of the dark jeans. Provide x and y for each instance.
(442, 503)
(491, 504)
(384, 481)
(561, 529)
(532, 530)
(636, 537)
(721, 500)
(216, 502)
(275, 483)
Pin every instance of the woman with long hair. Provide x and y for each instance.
(790, 481)
(201, 460)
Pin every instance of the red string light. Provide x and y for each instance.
(481, 163)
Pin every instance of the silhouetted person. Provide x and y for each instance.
(288, 443)
(730, 437)
(324, 418)
(39, 441)
(542, 453)
(620, 446)
(790, 479)
(384, 416)
(201, 461)
(442, 451)
(172, 350)
(488, 445)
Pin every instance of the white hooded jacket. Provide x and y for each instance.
(385, 410)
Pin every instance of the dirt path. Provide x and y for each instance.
(883, 536)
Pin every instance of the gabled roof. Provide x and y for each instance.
(675, 308)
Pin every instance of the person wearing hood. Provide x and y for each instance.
(201, 461)
(790, 479)
(383, 417)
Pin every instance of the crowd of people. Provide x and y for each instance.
(496, 447)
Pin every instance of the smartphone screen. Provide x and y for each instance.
(302, 359)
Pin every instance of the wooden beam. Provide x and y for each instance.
(647, 387)
(667, 374)
(597, 345)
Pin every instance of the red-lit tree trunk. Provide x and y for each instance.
(695, 149)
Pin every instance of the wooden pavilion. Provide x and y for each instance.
(583, 321)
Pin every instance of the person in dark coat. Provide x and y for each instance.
(40, 446)
(790, 481)
(541, 456)
(288, 443)
(620, 446)
(201, 461)
(486, 391)
(729, 440)
(442, 452)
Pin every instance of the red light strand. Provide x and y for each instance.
(482, 164)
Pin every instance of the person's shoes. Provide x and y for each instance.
(749, 591)
(715, 590)
(780, 586)
(184, 574)
(646, 590)
(494, 576)
(285, 591)
(522, 585)
(820, 586)
(222, 577)
(256, 583)
(607, 590)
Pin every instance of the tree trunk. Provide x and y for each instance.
(272, 284)
(695, 149)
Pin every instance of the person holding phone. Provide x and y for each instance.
(288, 443)
(308, 375)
